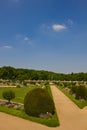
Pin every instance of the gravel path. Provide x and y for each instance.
(70, 116)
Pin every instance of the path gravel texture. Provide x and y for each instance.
(70, 116)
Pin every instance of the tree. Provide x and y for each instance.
(8, 95)
(7, 73)
(10, 73)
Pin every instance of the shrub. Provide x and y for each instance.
(65, 84)
(38, 101)
(74, 88)
(8, 95)
(81, 92)
(25, 84)
(18, 86)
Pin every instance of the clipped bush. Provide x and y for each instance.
(38, 101)
(74, 88)
(8, 95)
(81, 92)
(18, 86)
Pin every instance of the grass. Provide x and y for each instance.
(51, 122)
(20, 94)
(80, 104)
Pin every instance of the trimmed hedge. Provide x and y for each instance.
(81, 92)
(38, 101)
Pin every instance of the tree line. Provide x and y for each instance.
(11, 73)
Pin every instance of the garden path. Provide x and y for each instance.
(70, 116)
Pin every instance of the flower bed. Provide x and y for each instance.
(12, 105)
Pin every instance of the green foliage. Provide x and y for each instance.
(65, 84)
(81, 92)
(11, 73)
(38, 101)
(19, 92)
(8, 95)
(25, 84)
(18, 86)
(7, 73)
(73, 88)
(79, 89)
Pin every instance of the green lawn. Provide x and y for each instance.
(20, 94)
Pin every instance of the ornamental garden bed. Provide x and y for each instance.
(15, 105)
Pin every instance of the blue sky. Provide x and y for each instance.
(44, 34)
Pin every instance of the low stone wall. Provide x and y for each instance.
(7, 86)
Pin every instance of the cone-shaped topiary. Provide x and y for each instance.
(38, 101)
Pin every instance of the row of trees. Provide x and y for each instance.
(11, 73)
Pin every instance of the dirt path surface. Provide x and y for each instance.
(70, 116)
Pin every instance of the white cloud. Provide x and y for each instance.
(7, 47)
(58, 27)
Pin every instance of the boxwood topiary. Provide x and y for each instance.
(38, 101)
